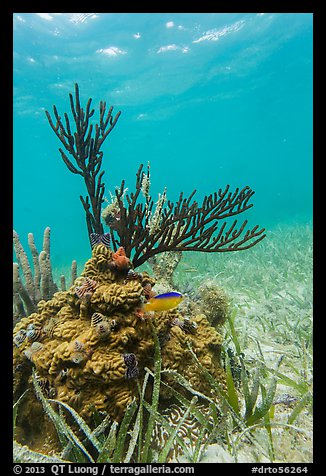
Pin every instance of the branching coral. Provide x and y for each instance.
(86, 151)
(182, 226)
(142, 227)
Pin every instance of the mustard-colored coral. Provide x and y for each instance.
(77, 345)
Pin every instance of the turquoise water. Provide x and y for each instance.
(207, 99)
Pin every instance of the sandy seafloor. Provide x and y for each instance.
(270, 289)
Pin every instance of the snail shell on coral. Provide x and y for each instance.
(78, 346)
(186, 325)
(103, 329)
(96, 319)
(130, 360)
(19, 337)
(131, 363)
(33, 334)
(77, 357)
(62, 375)
(132, 275)
(176, 322)
(43, 383)
(132, 373)
(189, 326)
(50, 326)
(28, 354)
(148, 292)
(33, 349)
(86, 289)
(52, 392)
(36, 347)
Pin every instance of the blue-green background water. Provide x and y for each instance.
(208, 99)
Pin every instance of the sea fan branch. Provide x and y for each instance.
(84, 146)
(182, 226)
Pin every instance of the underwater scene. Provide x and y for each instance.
(162, 243)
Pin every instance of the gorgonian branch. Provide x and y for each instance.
(83, 144)
(180, 226)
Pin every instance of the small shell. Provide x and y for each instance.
(19, 337)
(28, 354)
(49, 392)
(132, 373)
(78, 346)
(86, 289)
(186, 325)
(49, 327)
(33, 349)
(148, 292)
(176, 322)
(189, 326)
(36, 347)
(52, 393)
(44, 385)
(103, 329)
(77, 357)
(130, 360)
(96, 319)
(131, 363)
(113, 324)
(33, 334)
(132, 275)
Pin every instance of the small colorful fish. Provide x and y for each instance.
(163, 302)
(97, 238)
